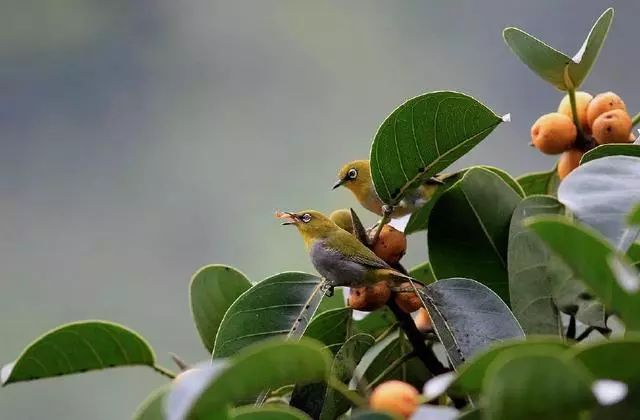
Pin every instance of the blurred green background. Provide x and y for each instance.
(142, 140)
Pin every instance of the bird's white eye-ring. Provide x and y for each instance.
(353, 173)
(306, 218)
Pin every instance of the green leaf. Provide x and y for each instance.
(634, 254)
(589, 256)
(280, 305)
(469, 230)
(531, 269)
(212, 290)
(323, 402)
(633, 218)
(372, 415)
(472, 373)
(376, 323)
(535, 386)
(611, 150)
(540, 183)
(411, 371)
(335, 301)
(279, 412)
(601, 193)
(152, 408)
(615, 359)
(423, 273)
(554, 66)
(419, 219)
(270, 364)
(467, 317)
(424, 136)
(78, 347)
(330, 328)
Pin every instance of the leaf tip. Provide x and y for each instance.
(506, 117)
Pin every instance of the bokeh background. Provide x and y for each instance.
(143, 139)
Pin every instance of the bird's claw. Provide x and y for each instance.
(327, 288)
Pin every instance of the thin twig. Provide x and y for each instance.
(571, 328)
(384, 334)
(355, 398)
(182, 365)
(635, 120)
(585, 333)
(386, 217)
(164, 371)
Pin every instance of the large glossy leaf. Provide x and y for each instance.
(601, 193)
(78, 347)
(212, 290)
(532, 268)
(423, 273)
(152, 408)
(271, 364)
(472, 373)
(469, 230)
(419, 220)
(279, 412)
(616, 359)
(280, 305)
(468, 317)
(424, 136)
(554, 66)
(611, 150)
(590, 257)
(535, 386)
(323, 402)
(376, 323)
(411, 371)
(331, 328)
(540, 183)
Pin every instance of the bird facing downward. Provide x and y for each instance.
(337, 255)
(356, 176)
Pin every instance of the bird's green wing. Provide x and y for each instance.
(352, 249)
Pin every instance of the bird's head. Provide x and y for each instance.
(311, 224)
(356, 176)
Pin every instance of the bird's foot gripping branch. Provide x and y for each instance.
(516, 269)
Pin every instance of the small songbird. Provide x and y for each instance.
(337, 255)
(356, 176)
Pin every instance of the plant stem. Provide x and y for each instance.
(571, 328)
(386, 217)
(182, 365)
(425, 354)
(393, 366)
(574, 113)
(384, 334)
(164, 371)
(355, 398)
(585, 333)
(635, 120)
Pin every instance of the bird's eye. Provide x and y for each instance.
(352, 174)
(306, 218)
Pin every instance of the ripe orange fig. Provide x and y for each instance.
(395, 397)
(369, 298)
(553, 133)
(423, 321)
(391, 245)
(612, 127)
(342, 218)
(582, 102)
(568, 161)
(602, 103)
(407, 301)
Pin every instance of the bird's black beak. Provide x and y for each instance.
(338, 184)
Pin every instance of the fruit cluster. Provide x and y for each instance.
(601, 119)
(390, 246)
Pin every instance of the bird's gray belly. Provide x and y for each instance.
(335, 268)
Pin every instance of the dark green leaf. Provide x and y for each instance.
(616, 359)
(634, 254)
(531, 268)
(423, 273)
(330, 328)
(424, 136)
(270, 364)
(471, 374)
(335, 301)
(411, 371)
(469, 230)
(553, 66)
(376, 323)
(152, 408)
(468, 317)
(590, 258)
(280, 305)
(611, 150)
(78, 347)
(372, 415)
(536, 386)
(276, 412)
(212, 290)
(321, 401)
(540, 183)
(601, 193)
(419, 220)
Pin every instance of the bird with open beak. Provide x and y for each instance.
(337, 255)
